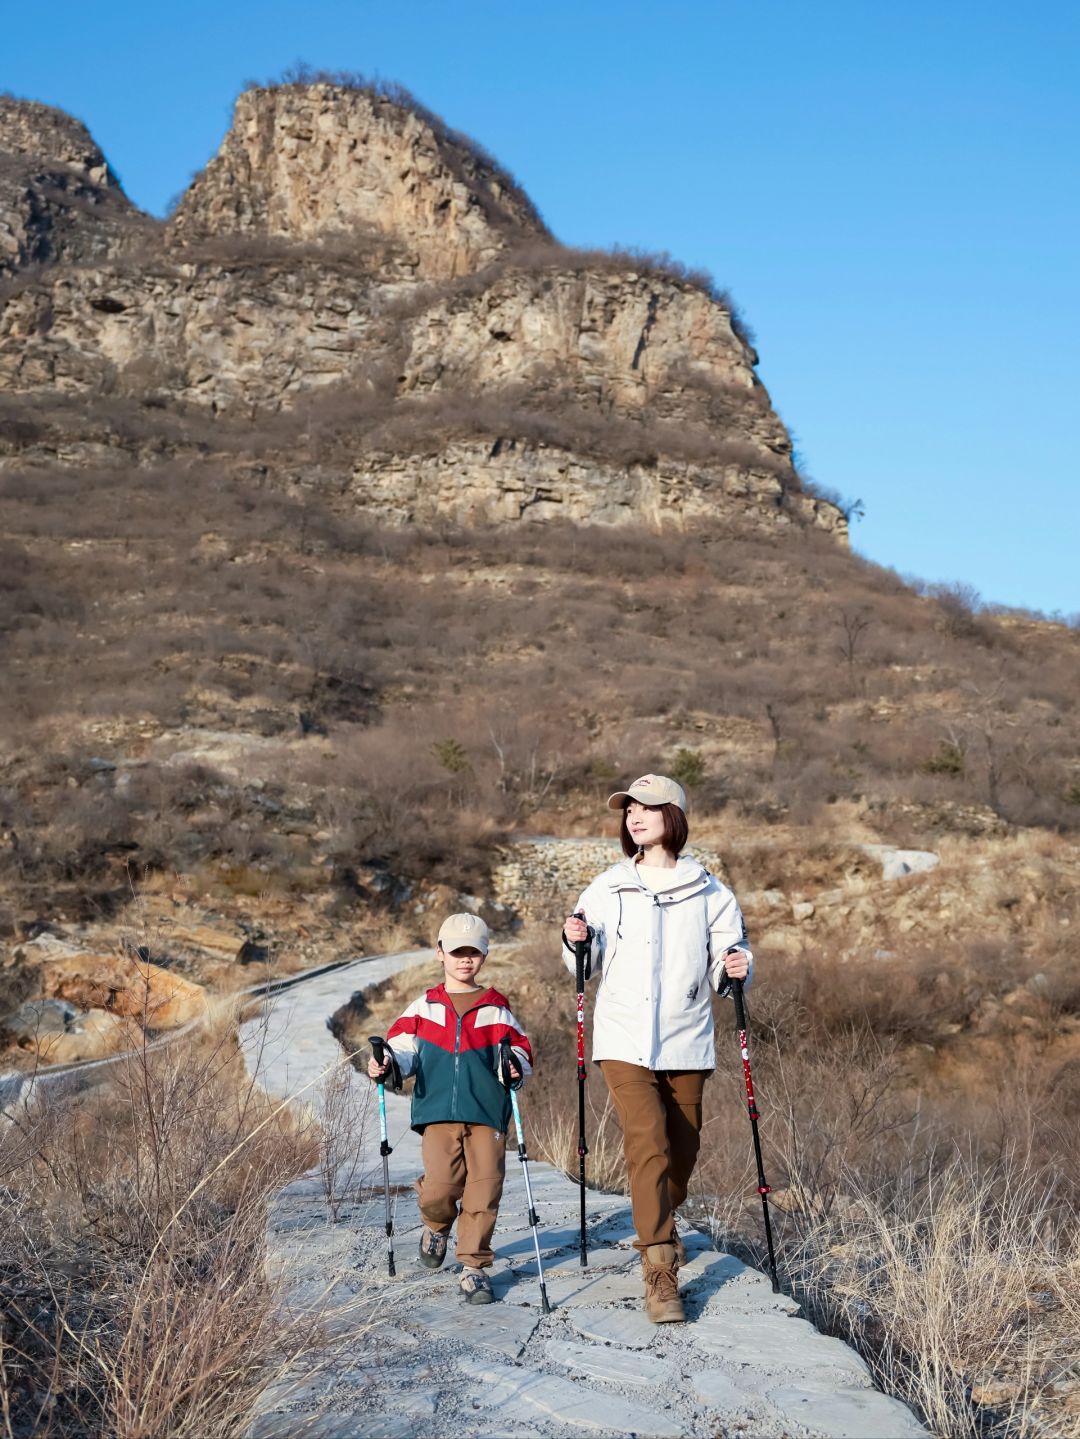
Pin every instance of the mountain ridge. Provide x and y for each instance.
(342, 241)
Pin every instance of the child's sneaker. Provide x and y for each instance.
(476, 1287)
(432, 1248)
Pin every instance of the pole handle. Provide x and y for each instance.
(382, 1052)
(740, 1007)
(581, 949)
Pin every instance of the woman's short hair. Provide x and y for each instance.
(676, 830)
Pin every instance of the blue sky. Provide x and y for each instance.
(889, 191)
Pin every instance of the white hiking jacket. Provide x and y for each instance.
(658, 956)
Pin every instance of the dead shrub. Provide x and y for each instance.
(344, 1106)
(134, 1221)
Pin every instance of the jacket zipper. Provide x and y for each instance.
(656, 1042)
(457, 1062)
(461, 1018)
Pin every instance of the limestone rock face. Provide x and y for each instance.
(352, 295)
(305, 161)
(200, 335)
(58, 196)
(471, 481)
(622, 338)
(267, 334)
(42, 135)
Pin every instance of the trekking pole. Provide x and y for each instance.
(378, 1046)
(580, 950)
(751, 1104)
(504, 1066)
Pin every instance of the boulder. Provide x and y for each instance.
(55, 1031)
(124, 986)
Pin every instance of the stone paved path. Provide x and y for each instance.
(405, 1357)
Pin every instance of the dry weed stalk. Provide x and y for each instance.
(133, 1221)
(344, 1113)
(554, 1136)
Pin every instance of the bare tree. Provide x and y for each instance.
(990, 722)
(774, 725)
(854, 625)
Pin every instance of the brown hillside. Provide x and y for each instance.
(357, 539)
(281, 665)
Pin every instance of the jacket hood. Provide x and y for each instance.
(689, 874)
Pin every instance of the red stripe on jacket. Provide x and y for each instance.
(473, 1036)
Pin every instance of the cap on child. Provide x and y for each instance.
(464, 931)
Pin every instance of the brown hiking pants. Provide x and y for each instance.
(660, 1114)
(464, 1167)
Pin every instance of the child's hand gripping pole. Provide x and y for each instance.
(581, 950)
(505, 1074)
(751, 1105)
(384, 1058)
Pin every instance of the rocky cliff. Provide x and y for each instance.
(367, 287)
(59, 200)
(309, 161)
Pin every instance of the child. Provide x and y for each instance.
(451, 1039)
(663, 935)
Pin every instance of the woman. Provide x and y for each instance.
(663, 933)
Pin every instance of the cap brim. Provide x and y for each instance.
(618, 800)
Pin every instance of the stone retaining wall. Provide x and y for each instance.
(539, 879)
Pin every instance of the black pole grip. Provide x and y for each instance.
(740, 1008)
(504, 1062)
(378, 1048)
(581, 948)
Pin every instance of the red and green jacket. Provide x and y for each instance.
(456, 1061)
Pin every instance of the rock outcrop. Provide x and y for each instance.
(305, 162)
(496, 479)
(362, 298)
(58, 197)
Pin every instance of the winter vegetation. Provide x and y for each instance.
(133, 1218)
(256, 721)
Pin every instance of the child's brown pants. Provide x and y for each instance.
(464, 1164)
(660, 1114)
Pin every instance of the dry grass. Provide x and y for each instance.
(962, 1293)
(135, 1302)
(260, 644)
(553, 1131)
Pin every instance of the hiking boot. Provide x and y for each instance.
(432, 1248)
(659, 1264)
(476, 1287)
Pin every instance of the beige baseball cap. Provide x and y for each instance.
(650, 789)
(464, 931)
